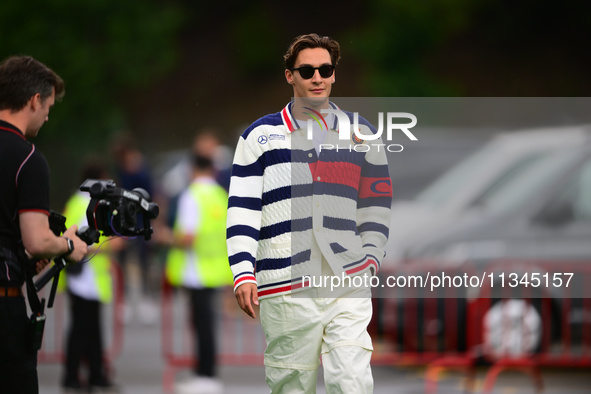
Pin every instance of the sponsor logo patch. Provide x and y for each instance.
(276, 137)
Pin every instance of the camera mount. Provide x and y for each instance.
(113, 211)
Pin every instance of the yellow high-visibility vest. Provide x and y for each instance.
(100, 264)
(209, 243)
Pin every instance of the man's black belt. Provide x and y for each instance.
(9, 291)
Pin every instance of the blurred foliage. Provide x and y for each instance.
(246, 29)
(100, 48)
(464, 47)
(396, 38)
(159, 68)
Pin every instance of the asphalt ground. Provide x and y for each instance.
(140, 367)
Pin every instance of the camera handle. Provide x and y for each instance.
(88, 235)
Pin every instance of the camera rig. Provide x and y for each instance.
(116, 211)
(112, 210)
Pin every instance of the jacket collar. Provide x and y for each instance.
(10, 127)
(291, 123)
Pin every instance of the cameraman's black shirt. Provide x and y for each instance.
(24, 186)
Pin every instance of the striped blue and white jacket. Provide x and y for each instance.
(288, 206)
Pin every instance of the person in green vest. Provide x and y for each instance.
(198, 261)
(89, 285)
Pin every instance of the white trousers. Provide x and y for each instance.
(299, 329)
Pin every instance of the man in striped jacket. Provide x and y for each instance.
(305, 205)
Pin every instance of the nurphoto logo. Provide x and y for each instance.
(360, 134)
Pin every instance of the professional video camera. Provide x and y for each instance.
(116, 211)
(113, 211)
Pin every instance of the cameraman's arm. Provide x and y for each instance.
(40, 241)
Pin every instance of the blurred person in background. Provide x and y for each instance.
(28, 90)
(206, 143)
(89, 285)
(132, 171)
(296, 210)
(198, 261)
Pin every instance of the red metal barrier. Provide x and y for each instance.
(412, 326)
(445, 330)
(52, 350)
(543, 314)
(241, 339)
(560, 345)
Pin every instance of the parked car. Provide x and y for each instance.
(539, 211)
(441, 203)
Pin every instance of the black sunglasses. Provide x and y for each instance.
(307, 72)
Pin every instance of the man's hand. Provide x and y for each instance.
(40, 265)
(247, 296)
(80, 247)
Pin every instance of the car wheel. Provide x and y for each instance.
(512, 328)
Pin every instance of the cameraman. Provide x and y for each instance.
(28, 89)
